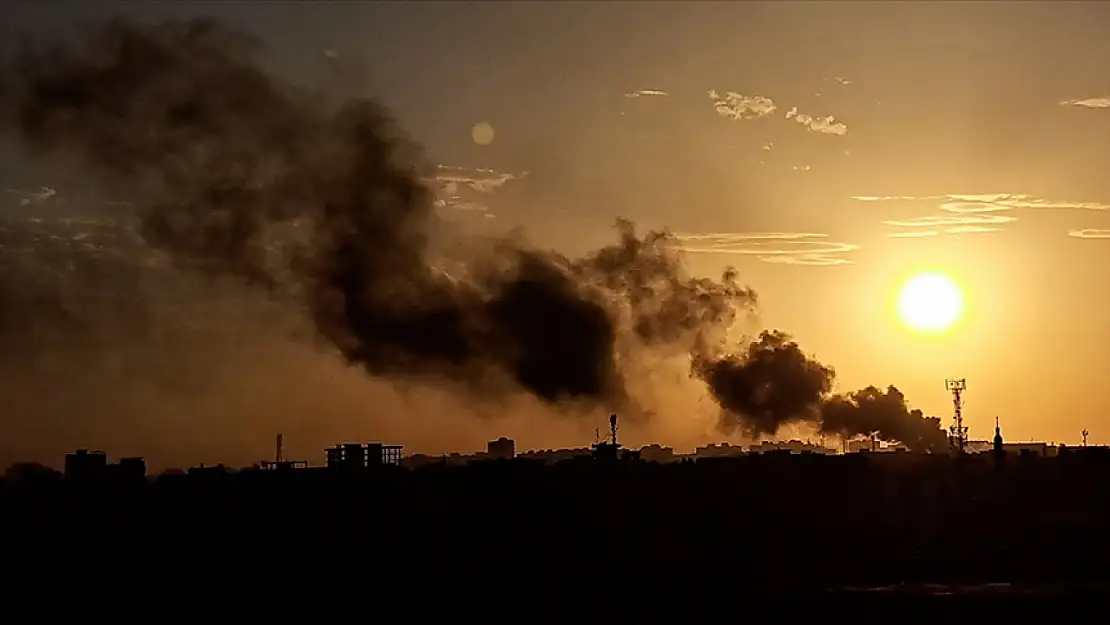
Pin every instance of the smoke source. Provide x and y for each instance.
(774, 383)
(329, 207)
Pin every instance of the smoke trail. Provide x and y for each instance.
(774, 383)
(329, 206)
(241, 175)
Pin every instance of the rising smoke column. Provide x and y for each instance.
(241, 175)
(773, 383)
(871, 411)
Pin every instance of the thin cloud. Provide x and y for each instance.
(793, 248)
(734, 105)
(1090, 233)
(33, 197)
(968, 213)
(932, 221)
(481, 180)
(452, 182)
(987, 202)
(914, 234)
(888, 198)
(646, 93)
(1090, 103)
(970, 229)
(842, 80)
(956, 230)
(824, 125)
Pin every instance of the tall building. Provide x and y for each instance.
(502, 448)
(85, 464)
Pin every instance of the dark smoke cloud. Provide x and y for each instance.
(241, 175)
(774, 383)
(329, 206)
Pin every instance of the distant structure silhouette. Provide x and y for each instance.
(609, 450)
(501, 449)
(1085, 432)
(957, 438)
(361, 456)
(279, 461)
(90, 466)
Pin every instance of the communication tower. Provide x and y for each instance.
(613, 429)
(957, 432)
(1085, 433)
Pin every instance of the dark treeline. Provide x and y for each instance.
(771, 519)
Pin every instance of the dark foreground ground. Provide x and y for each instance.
(883, 529)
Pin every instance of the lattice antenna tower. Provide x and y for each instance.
(1085, 433)
(957, 432)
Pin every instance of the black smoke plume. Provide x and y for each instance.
(773, 383)
(330, 206)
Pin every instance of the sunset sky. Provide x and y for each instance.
(828, 150)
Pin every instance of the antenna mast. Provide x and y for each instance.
(613, 429)
(957, 433)
(277, 455)
(1085, 433)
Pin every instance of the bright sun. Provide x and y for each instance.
(930, 302)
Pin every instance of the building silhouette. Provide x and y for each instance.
(501, 449)
(84, 465)
(361, 456)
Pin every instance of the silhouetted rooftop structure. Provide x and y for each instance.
(502, 448)
(361, 456)
(84, 464)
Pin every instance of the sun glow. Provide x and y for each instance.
(930, 303)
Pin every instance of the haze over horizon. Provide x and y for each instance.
(826, 151)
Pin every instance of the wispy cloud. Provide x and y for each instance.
(1090, 233)
(646, 93)
(963, 213)
(956, 219)
(453, 183)
(33, 197)
(824, 125)
(842, 80)
(914, 234)
(986, 202)
(1091, 103)
(793, 248)
(734, 105)
(482, 180)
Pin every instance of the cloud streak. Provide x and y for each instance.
(27, 198)
(646, 93)
(964, 213)
(1090, 233)
(791, 248)
(734, 105)
(1090, 103)
(451, 181)
(481, 180)
(824, 125)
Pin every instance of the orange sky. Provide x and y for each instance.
(962, 138)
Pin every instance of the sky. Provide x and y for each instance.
(827, 150)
